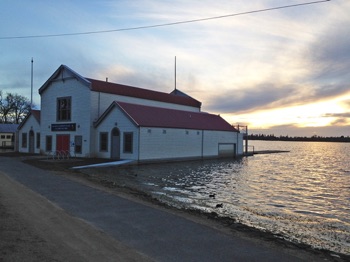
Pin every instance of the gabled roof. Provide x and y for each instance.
(148, 116)
(64, 72)
(125, 90)
(8, 128)
(68, 73)
(35, 114)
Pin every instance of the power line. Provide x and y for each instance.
(162, 25)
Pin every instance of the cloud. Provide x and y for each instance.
(329, 54)
(341, 122)
(271, 96)
(341, 119)
(313, 67)
(345, 103)
(243, 100)
(343, 115)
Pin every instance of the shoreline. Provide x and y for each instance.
(225, 224)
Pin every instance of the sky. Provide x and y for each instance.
(282, 72)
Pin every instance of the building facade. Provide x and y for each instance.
(8, 135)
(92, 118)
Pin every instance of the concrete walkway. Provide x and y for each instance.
(160, 235)
(115, 163)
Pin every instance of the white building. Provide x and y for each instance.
(7, 135)
(92, 118)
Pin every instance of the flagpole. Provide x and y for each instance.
(31, 87)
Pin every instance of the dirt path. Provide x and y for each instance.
(33, 229)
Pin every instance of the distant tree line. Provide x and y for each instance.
(314, 138)
(13, 108)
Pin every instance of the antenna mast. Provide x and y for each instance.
(175, 72)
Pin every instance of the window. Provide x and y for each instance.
(103, 141)
(64, 109)
(128, 142)
(24, 139)
(37, 140)
(8, 136)
(2, 136)
(48, 143)
(78, 144)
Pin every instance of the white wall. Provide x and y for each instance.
(6, 138)
(80, 112)
(166, 143)
(30, 124)
(213, 138)
(117, 119)
(101, 101)
(182, 143)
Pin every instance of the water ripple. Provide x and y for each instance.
(303, 195)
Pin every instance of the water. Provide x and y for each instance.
(303, 195)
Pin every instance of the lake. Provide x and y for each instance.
(302, 195)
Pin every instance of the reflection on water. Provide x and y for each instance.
(303, 195)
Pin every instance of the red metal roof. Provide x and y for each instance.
(148, 116)
(124, 90)
(36, 114)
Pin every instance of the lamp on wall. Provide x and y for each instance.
(116, 123)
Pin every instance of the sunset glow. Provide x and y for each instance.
(285, 69)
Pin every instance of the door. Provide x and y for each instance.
(31, 141)
(62, 143)
(115, 144)
(227, 150)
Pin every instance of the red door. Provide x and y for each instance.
(62, 143)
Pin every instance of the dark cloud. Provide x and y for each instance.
(343, 115)
(329, 56)
(269, 96)
(247, 99)
(342, 119)
(341, 122)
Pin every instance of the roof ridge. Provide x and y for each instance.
(143, 93)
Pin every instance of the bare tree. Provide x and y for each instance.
(21, 107)
(6, 107)
(13, 108)
(1, 105)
